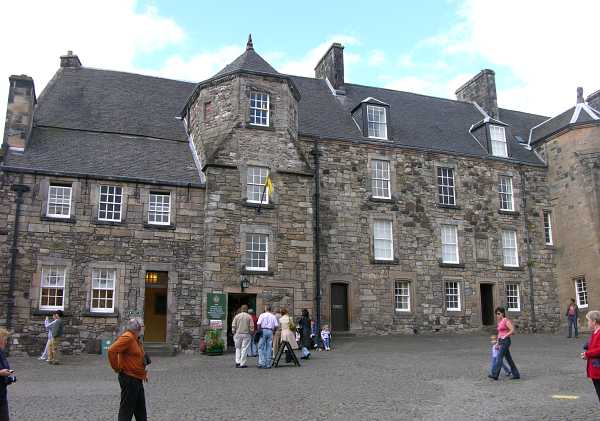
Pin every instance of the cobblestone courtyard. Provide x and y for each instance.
(383, 378)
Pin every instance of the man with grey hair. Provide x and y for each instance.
(242, 327)
(126, 357)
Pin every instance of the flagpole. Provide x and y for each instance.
(262, 197)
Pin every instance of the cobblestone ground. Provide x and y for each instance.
(383, 378)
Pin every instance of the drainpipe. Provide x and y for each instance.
(317, 153)
(20, 189)
(533, 320)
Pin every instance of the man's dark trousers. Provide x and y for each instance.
(133, 400)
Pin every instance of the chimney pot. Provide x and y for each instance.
(70, 60)
(580, 95)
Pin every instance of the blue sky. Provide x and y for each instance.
(541, 50)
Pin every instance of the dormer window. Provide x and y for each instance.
(259, 109)
(498, 140)
(376, 122)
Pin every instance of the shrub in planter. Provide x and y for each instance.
(214, 343)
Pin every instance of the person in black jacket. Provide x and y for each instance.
(7, 376)
(304, 329)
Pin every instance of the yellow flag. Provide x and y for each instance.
(269, 185)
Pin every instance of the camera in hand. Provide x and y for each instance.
(11, 379)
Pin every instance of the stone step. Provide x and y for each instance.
(157, 349)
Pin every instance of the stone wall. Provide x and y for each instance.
(82, 243)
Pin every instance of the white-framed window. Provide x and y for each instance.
(450, 244)
(52, 288)
(581, 292)
(446, 191)
(498, 138)
(103, 290)
(59, 201)
(376, 122)
(255, 184)
(259, 108)
(380, 171)
(383, 242)
(510, 250)
(402, 296)
(505, 189)
(159, 208)
(513, 297)
(548, 228)
(110, 203)
(452, 295)
(257, 252)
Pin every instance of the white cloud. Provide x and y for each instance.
(107, 34)
(405, 60)
(547, 45)
(376, 58)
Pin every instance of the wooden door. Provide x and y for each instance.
(339, 307)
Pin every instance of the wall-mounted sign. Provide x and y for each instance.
(215, 306)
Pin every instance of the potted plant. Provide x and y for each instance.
(214, 343)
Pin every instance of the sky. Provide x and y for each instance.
(541, 51)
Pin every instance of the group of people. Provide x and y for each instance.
(270, 330)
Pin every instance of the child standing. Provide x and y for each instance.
(326, 337)
(494, 355)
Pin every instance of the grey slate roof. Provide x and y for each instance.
(579, 114)
(248, 61)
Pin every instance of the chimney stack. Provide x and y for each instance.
(331, 66)
(482, 90)
(70, 60)
(580, 95)
(593, 100)
(19, 112)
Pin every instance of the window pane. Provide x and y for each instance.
(450, 244)
(513, 301)
(581, 292)
(509, 247)
(402, 295)
(109, 208)
(257, 251)
(159, 208)
(259, 109)
(255, 182)
(380, 171)
(382, 240)
(59, 201)
(505, 190)
(446, 194)
(548, 228)
(452, 296)
(376, 122)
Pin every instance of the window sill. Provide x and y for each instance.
(254, 205)
(110, 223)
(160, 227)
(403, 314)
(507, 212)
(381, 200)
(513, 268)
(256, 127)
(245, 271)
(442, 206)
(99, 314)
(385, 262)
(549, 246)
(452, 265)
(69, 220)
(38, 312)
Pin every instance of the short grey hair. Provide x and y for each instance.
(135, 325)
(593, 316)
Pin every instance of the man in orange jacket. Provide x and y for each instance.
(126, 357)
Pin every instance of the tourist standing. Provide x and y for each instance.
(592, 354)
(253, 351)
(126, 357)
(267, 324)
(56, 330)
(242, 327)
(7, 376)
(572, 316)
(287, 327)
(277, 333)
(505, 331)
(47, 323)
(304, 328)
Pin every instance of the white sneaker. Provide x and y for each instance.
(42, 359)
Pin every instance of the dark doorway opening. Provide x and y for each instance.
(339, 307)
(155, 306)
(487, 304)
(234, 302)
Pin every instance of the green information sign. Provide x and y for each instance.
(215, 306)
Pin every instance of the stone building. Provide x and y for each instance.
(390, 211)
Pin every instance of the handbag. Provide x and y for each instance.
(292, 325)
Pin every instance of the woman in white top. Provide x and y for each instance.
(286, 333)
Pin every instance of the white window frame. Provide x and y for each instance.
(376, 122)
(513, 292)
(449, 237)
(505, 191)
(581, 291)
(110, 202)
(56, 201)
(452, 289)
(402, 296)
(548, 238)
(156, 209)
(251, 250)
(446, 186)
(105, 276)
(259, 108)
(509, 239)
(383, 233)
(498, 141)
(380, 176)
(53, 278)
(256, 177)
